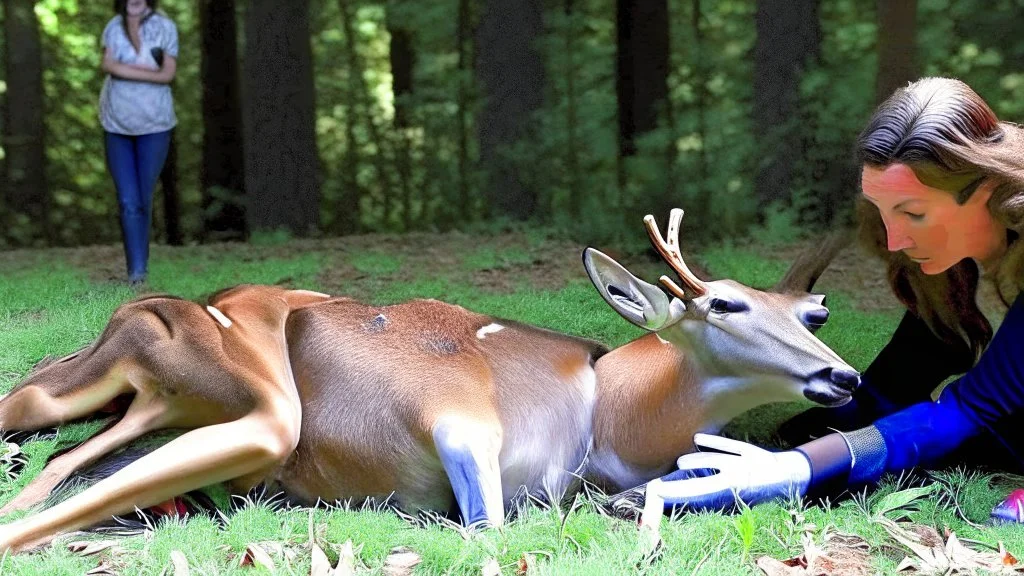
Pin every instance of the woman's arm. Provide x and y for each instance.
(892, 382)
(988, 396)
(163, 75)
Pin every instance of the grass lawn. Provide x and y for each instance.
(53, 302)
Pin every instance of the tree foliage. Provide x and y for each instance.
(426, 172)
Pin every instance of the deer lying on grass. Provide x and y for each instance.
(328, 398)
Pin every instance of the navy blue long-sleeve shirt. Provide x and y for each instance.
(987, 399)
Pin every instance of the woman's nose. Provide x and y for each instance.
(896, 238)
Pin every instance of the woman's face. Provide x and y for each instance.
(136, 7)
(927, 224)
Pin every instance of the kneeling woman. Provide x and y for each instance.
(942, 187)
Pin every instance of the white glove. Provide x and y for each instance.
(748, 472)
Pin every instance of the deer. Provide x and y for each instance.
(427, 403)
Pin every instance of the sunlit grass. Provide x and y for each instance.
(48, 306)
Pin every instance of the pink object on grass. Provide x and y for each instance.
(1011, 509)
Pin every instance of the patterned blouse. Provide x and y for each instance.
(132, 107)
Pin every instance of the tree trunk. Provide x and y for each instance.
(897, 46)
(703, 208)
(281, 167)
(572, 161)
(462, 103)
(642, 68)
(172, 202)
(402, 61)
(510, 70)
(642, 65)
(788, 37)
(25, 189)
(222, 174)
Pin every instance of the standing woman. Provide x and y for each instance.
(140, 51)
(942, 203)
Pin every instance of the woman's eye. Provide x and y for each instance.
(914, 217)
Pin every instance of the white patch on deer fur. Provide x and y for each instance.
(543, 451)
(224, 320)
(459, 437)
(726, 397)
(606, 464)
(588, 379)
(489, 329)
(313, 293)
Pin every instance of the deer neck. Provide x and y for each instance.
(725, 389)
(646, 411)
(653, 396)
(723, 398)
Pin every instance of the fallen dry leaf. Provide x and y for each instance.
(103, 569)
(491, 568)
(772, 567)
(346, 560)
(527, 565)
(401, 561)
(842, 555)
(320, 565)
(935, 556)
(255, 554)
(180, 563)
(1008, 559)
(90, 547)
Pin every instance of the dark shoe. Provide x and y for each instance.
(1010, 510)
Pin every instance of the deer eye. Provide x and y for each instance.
(722, 306)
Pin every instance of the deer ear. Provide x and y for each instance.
(643, 304)
(811, 263)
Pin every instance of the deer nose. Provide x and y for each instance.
(845, 379)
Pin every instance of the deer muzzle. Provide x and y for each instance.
(832, 386)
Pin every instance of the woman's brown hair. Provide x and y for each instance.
(953, 141)
(121, 7)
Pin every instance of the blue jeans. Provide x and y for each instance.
(135, 163)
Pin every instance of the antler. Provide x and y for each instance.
(669, 250)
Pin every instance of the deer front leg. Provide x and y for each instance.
(145, 414)
(197, 458)
(469, 452)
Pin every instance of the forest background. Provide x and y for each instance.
(334, 117)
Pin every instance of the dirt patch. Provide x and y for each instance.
(546, 264)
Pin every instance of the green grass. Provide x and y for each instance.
(489, 258)
(50, 307)
(376, 263)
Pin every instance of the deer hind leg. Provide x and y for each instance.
(198, 458)
(32, 407)
(145, 414)
(469, 451)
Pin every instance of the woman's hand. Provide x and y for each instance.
(745, 471)
(162, 75)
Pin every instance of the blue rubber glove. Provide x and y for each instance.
(745, 471)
